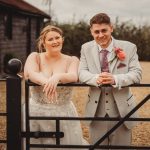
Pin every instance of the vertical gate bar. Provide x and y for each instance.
(27, 115)
(57, 132)
(13, 97)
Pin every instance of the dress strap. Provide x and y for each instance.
(39, 61)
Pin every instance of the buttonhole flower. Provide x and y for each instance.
(120, 53)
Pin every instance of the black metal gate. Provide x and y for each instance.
(13, 115)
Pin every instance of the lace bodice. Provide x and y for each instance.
(64, 94)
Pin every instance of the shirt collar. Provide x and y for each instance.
(110, 46)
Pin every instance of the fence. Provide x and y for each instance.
(13, 114)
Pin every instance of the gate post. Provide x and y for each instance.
(13, 102)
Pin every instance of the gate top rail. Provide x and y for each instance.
(29, 83)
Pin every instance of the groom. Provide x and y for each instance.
(106, 60)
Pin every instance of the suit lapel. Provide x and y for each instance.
(95, 54)
(112, 57)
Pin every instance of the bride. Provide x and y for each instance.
(47, 68)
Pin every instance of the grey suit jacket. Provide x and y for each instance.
(126, 72)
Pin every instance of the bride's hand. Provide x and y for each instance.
(50, 86)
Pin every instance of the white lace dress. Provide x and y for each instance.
(41, 106)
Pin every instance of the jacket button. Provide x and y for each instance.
(95, 101)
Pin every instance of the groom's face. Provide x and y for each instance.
(102, 34)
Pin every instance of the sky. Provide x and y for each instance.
(69, 11)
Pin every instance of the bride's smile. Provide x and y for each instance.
(53, 42)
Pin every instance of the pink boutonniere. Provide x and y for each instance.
(120, 53)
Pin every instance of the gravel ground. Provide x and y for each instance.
(141, 133)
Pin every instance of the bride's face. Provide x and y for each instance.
(53, 41)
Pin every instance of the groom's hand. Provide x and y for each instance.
(105, 78)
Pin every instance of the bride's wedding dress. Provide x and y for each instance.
(40, 105)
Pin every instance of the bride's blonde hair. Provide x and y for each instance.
(41, 39)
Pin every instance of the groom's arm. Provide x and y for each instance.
(134, 74)
(85, 75)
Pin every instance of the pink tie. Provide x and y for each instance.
(104, 61)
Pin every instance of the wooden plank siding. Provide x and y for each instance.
(18, 34)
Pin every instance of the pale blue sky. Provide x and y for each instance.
(75, 10)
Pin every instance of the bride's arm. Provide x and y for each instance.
(32, 71)
(70, 76)
(72, 73)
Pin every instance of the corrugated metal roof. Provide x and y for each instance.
(23, 6)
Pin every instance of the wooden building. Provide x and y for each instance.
(20, 25)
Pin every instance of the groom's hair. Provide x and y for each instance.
(99, 19)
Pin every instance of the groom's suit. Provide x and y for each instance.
(126, 72)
